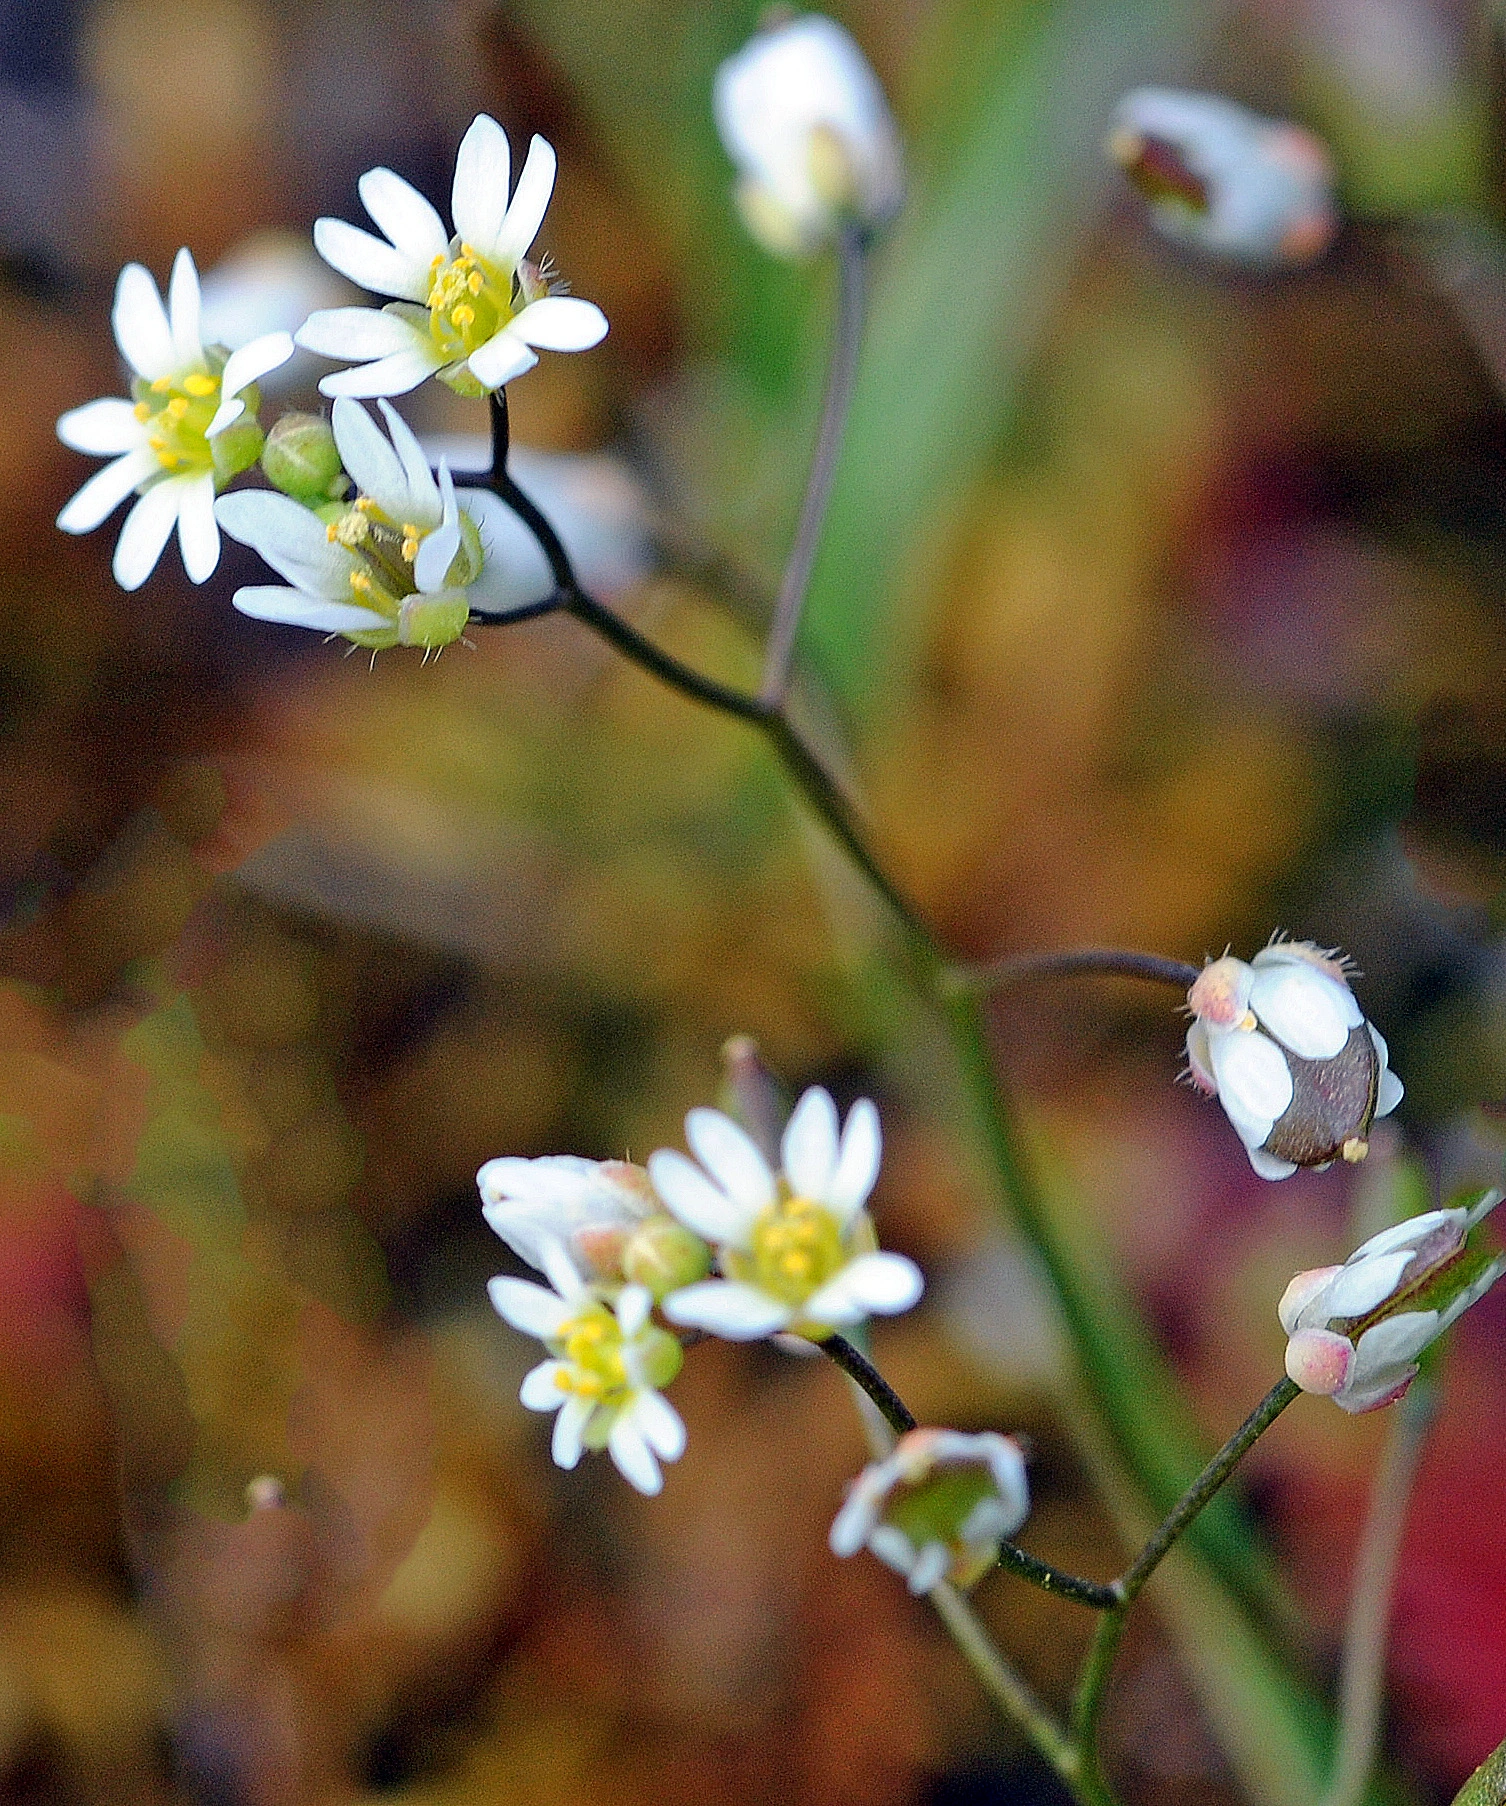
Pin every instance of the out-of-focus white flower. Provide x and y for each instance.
(798, 1251)
(1356, 1331)
(269, 282)
(469, 309)
(606, 1367)
(183, 436)
(804, 119)
(589, 1206)
(938, 1507)
(402, 564)
(1222, 179)
(1283, 1045)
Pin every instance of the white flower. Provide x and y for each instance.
(469, 309)
(168, 444)
(804, 119)
(402, 565)
(1284, 1046)
(1253, 190)
(938, 1507)
(799, 1251)
(589, 1206)
(1357, 1330)
(606, 1367)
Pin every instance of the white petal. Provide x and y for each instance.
(1383, 1053)
(1356, 1289)
(871, 1285)
(478, 196)
(560, 323)
(1268, 1166)
(662, 1426)
(246, 366)
(105, 428)
(500, 359)
(356, 333)
(1393, 1342)
(633, 1306)
(370, 460)
(183, 311)
(530, 202)
(198, 536)
(106, 490)
(146, 531)
(729, 1154)
(404, 215)
(438, 549)
(1304, 1008)
(1199, 1056)
(533, 1309)
(394, 375)
(632, 1456)
(1410, 1232)
(890, 1544)
(727, 1308)
(569, 1427)
(809, 1146)
(291, 538)
(930, 1566)
(689, 1195)
(370, 263)
(297, 608)
(561, 1271)
(516, 574)
(1254, 1082)
(541, 1390)
(140, 322)
(425, 505)
(858, 1163)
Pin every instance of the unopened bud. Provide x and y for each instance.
(302, 460)
(663, 1255)
(238, 446)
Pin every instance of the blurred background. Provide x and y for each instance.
(1160, 606)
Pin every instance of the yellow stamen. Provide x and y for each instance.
(475, 282)
(178, 406)
(463, 316)
(162, 385)
(199, 384)
(360, 581)
(1247, 1023)
(1355, 1149)
(142, 411)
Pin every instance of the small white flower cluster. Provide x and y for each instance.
(796, 1250)
(1284, 1046)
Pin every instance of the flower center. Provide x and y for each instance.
(176, 412)
(797, 1247)
(592, 1346)
(469, 301)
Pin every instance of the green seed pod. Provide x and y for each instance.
(663, 1255)
(302, 460)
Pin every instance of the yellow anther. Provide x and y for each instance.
(156, 442)
(198, 384)
(475, 282)
(436, 261)
(1355, 1149)
(178, 406)
(142, 411)
(1247, 1022)
(468, 252)
(363, 504)
(410, 547)
(360, 581)
(463, 315)
(332, 531)
(162, 385)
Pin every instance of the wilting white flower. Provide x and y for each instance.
(589, 1206)
(804, 119)
(1283, 1045)
(1357, 1330)
(798, 1251)
(402, 564)
(938, 1507)
(469, 309)
(1223, 179)
(182, 437)
(606, 1367)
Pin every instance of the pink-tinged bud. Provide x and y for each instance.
(591, 1207)
(1319, 1361)
(1220, 994)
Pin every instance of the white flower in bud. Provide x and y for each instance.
(1356, 1331)
(1224, 180)
(607, 1364)
(184, 434)
(938, 1507)
(1283, 1045)
(804, 119)
(401, 563)
(590, 1206)
(471, 310)
(798, 1250)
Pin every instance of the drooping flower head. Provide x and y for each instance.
(469, 309)
(400, 563)
(797, 1250)
(1224, 180)
(938, 1507)
(1356, 1331)
(1284, 1046)
(186, 431)
(805, 121)
(606, 1367)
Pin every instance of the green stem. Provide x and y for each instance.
(1030, 968)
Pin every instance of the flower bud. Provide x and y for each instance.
(1283, 1045)
(1222, 179)
(804, 119)
(303, 461)
(1356, 1331)
(938, 1507)
(591, 1207)
(664, 1255)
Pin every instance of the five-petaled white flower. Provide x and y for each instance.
(1357, 1330)
(798, 1252)
(1284, 1046)
(183, 436)
(469, 309)
(938, 1507)
(804, 119)
(606, 1368)
(402, 564)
